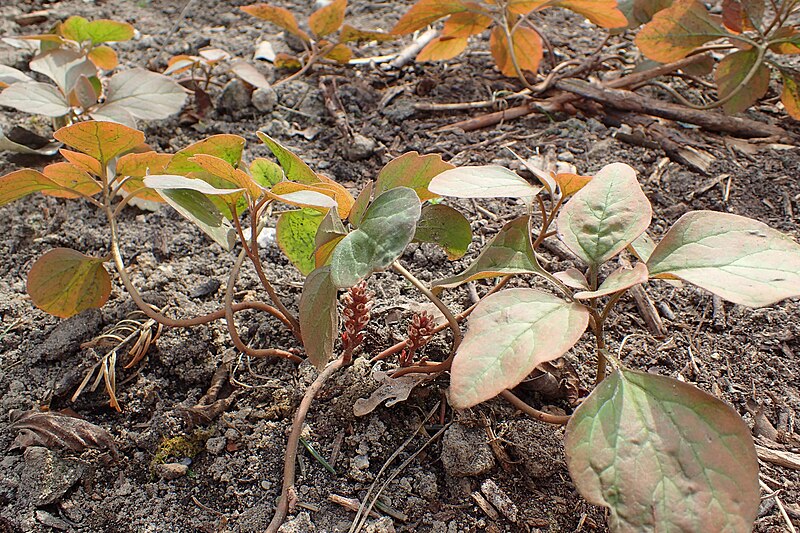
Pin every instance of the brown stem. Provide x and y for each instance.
(290, 458)
(535, 413)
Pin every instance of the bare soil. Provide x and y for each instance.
(747, 357)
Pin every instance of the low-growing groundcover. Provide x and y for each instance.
(709, 349)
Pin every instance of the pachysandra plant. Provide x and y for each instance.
(75, 58)
(515, 42)
(754, 35)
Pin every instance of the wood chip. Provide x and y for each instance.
(779, 457)
(485, 506)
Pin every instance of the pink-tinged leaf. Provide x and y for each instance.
(425, 12)
(442, 49)
(362, 203)
(737, 258)
(742, 15)
(527, 50)
(327, 19)
(413, 171)
(294, 167)
(100, 140)
(572, 277)
(319, 319)
(279, 16)
(248, 73)
(64, 282)
(605, 216)
(145, 95)
(731, 74)
(619, 280)
(489, 181)
(642, 246)
(73, 182)
(467, 23)
(663, 456)
(509, 334)
(677, 30)
(790, 96)
(63, 66)
(509, 252)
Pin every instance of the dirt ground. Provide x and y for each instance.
(747, 357)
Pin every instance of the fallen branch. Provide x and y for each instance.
(778, 457)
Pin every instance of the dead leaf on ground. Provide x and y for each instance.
(53, 430)
(393, 389)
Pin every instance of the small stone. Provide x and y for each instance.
(359, 148)
(300, 524)
(465, 452)
(46, 477)
(265, 99)
(170, 471)
(381, 525)
(235, 97)
(215, 445)
(360, 462)
(500, 500)
(49, 520)
(567, 157)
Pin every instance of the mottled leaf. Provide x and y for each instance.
(677, 30)
(742, 15)
(739, 259)
(730, 75)
(446, 227)
(82, 161)
(265, 172)
(101, 140)
(319, 319)
(294, 167)
(145, 95)
(413, 171)
(295, 234)
(73, 182)
(509, 334)
(489, 181)
(606, 215)
(64, 282)
(225, 146)
(222, 169)
(663, 456)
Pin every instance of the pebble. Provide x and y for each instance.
(359, 148)
(300, 524)
(360, 462)
(46, 477)
(500, 500)
(265, 99)
(567, 157)
(170, 471)
(235, 97)
(216, 445)
(465, 451)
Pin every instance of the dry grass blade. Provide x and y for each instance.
(52, 430)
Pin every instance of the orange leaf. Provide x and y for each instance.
(287, 62)
(790, 96)
(21, 183)
(344, 200)
(523, 7)
(280, 191)
(677, 30)
(350, 34)
(73, 181)
(791, 46)
(466, 23)
(64, 282)
(340, 53)
(327, 19)
(101, 140)
(82, 161)
(442, 48)
(224, 170)
(134, 167)
(425, 12)
(604, 13)
(571, 183)
(103, 57)
(527, 50)
(742, 15)
(277, 15)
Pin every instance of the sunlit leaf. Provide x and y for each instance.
(790, 96)
(677, 30)
(295, 233)
(21, 183)
(731, 73)
(64, 282)
(101, 140)
(446, 227)
(35, 97)
(341, 53)
(413, 171)
(145, 95)
(509, 334)
(788, 41)
(572, 277)
(287, 62)
(466, 24)
(605, 216)
(489, 181)
(344, 200)
(103, 57)
(329, 233)
(10, 75)
(349, 34)
(225, 146)
(527, 50)
(135, 167)
(442, 48)
(97, 31)
(571, 183)
(301, 195)
(294, 167)
(279, 16)
(64, 67)
(387, 228)
(737, 258)
(220, 168)
(82, 161)
(328, 18)
(73, 182)
(265, 172)
(319, 319)
(663, 456)
(642, 246)
(425, 12)
(604, 13)
(621, 279)
(509, 252)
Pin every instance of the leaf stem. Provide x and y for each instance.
(517, 402)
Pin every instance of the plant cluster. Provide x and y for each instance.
(658, 452)
(75, 58)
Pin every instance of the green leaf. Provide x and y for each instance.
(509, 252)
(361, 204)
(443, 225)
(790, 95)
(676, 31)
(730, 75)
(265, 172)
(387, 228)
(188, 197)
(97, 31)
(294, 167)
(490, 181)
(145, 95)
(412, 170)
(64, 282)
(621, 279)
(642, 246)
(605, 216)
(319, 319)
(737, 258)
(663, 456)
(295, 233)
(638, 12)
(35, 97)
(225, 146)
(509, 334)
(101, 140)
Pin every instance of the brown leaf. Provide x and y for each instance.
(53, 430)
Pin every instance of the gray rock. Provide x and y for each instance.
(500, 500)
(46, 477)
(65, 339)
(359, 148)
(465, 451)
(360, 462)
(49, 520)
(216, 445)
(170, 471)
(235, 97)
(381, 525)
(299, 524)
(265, 99)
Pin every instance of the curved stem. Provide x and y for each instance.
(290, 458)
(451, 320)
(122, 203)
(517, 402)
